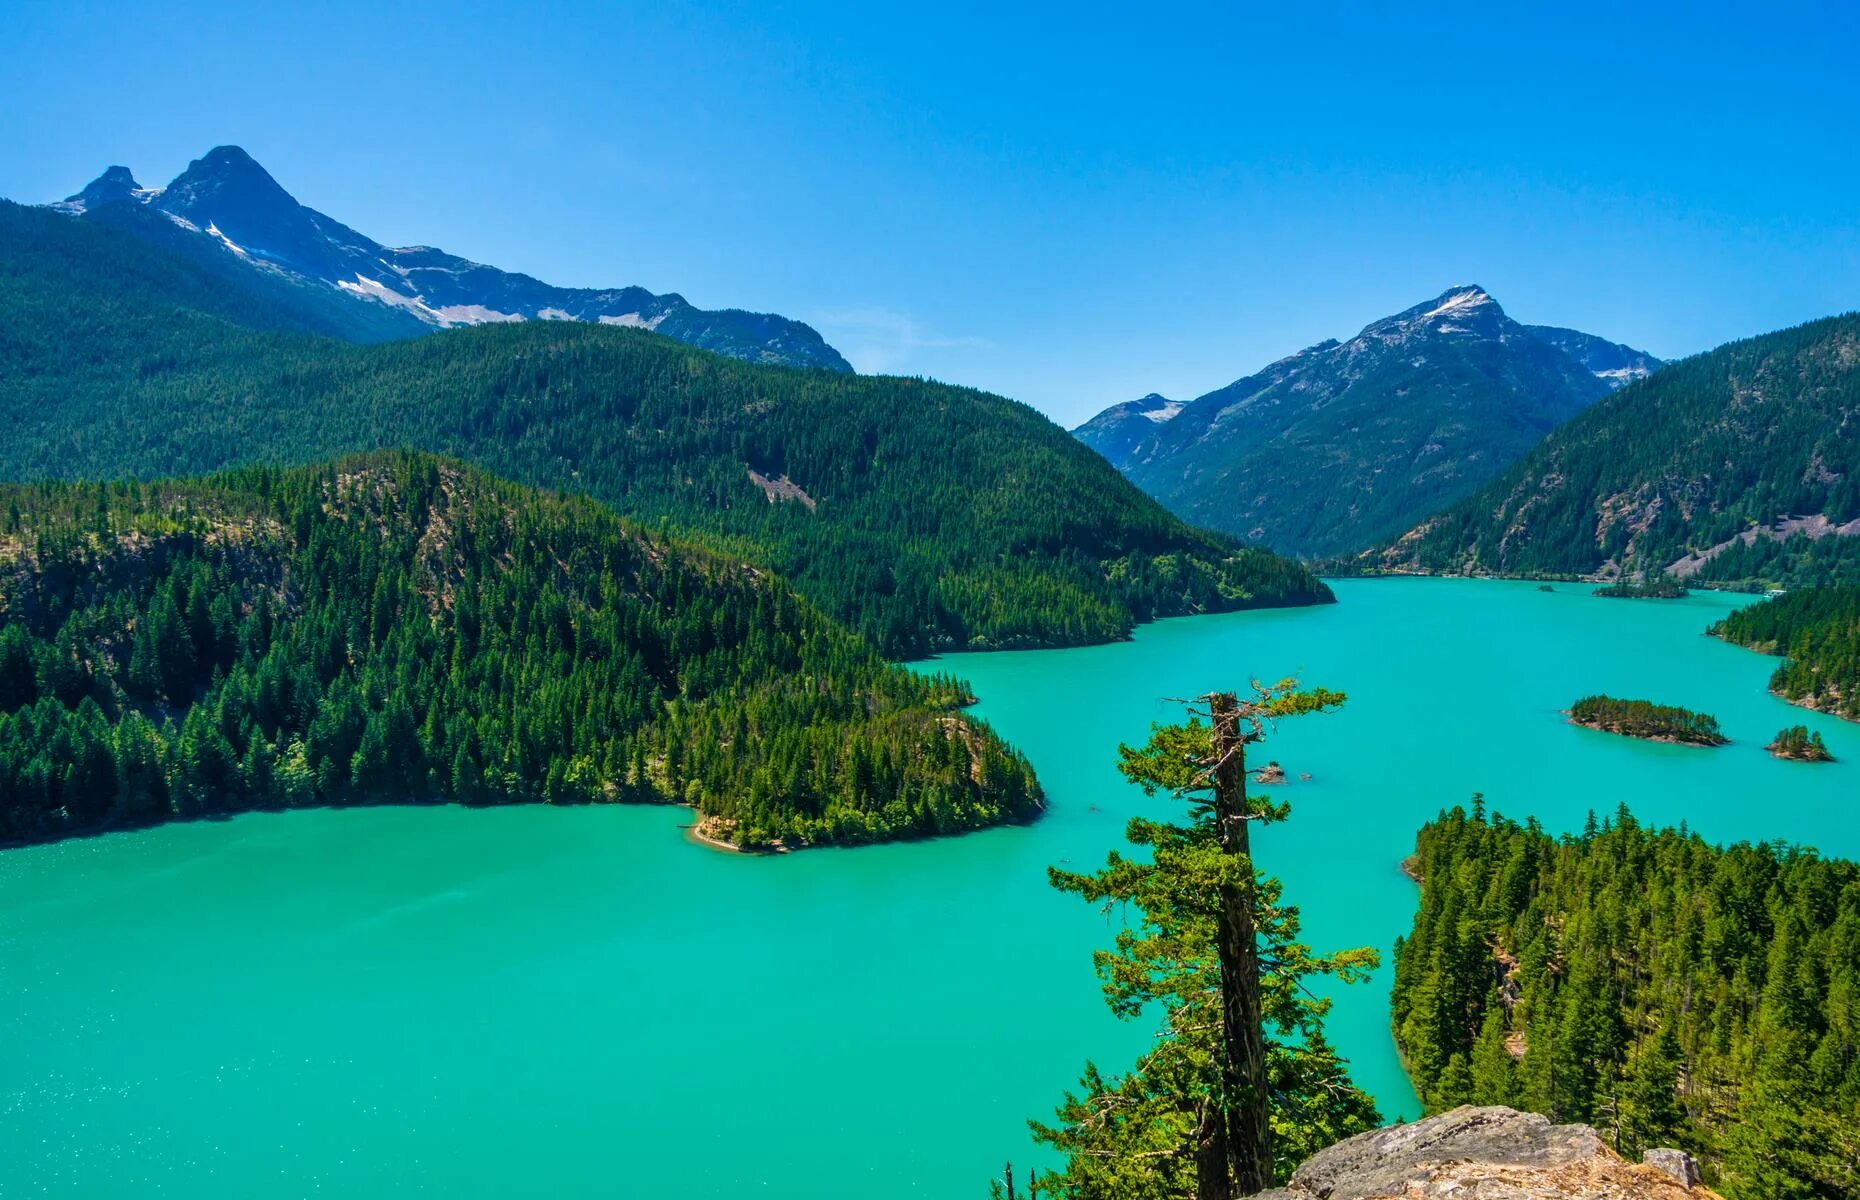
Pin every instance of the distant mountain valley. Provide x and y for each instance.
(1344, 444)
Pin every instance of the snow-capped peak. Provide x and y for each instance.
(1457, 300)
(1161, 409)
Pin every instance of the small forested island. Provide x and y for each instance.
(1665, 990)
(1796, 742)
(1818, 629)
(1647, 720)
(400, 628)
(1660, 587)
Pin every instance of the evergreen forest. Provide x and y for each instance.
(397, 627)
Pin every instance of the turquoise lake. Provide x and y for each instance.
(521, 1001)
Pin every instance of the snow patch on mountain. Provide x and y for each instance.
(474, 314)
(634, 320)
(214, 231)
(1457, 300)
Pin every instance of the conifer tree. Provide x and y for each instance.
(1241, 1085)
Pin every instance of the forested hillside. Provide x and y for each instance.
(1662, 989)
(397, 627)
(923, 515)
(1741, 465)
(1819, 631)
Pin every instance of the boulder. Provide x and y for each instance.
(1486, 1154)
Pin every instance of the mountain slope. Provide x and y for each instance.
(1612, 363)
(396, 627)
(1742, 464)
(1346, 443)
(229, 210)
(1119, 430)
(925, 516)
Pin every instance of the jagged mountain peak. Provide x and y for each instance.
(226, 161)
(241, 210)
(221, 171)
(114, 186)
(1464, 308)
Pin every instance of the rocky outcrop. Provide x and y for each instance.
(1488, 1154)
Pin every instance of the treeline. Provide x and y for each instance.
(1660, 587)
(940, 517)
(1662, 989)
(396, 627)
(1687, 460)
(1645, 719)
(1818, 629)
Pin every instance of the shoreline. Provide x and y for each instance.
(1663, 739)
(694, 833)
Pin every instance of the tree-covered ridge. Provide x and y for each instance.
(397, 627)
(923, 515)
(1645, 719)
(1819, 630)
(1736, 465)
(1662, 989)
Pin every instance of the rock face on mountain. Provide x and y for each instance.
(1347, 443)
(1120, 429)
(1612, 363)
(235, 208)
(1490, 1154)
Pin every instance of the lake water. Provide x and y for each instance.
(395, 1001)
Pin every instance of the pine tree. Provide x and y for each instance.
(1651, 1113)
(1241, 1085)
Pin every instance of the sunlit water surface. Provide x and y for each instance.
(524, 1001)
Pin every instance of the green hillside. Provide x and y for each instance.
(1737, 466)
(1667, 991)
(923, 515)
(398, 627)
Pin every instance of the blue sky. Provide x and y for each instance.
(1071, 205)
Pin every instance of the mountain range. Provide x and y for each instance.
(1344, 444)
(227, 210)
(921, 515)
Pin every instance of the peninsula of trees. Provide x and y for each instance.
(1659, 988)
(396, 627)
(1819, 630)
(1647, 720)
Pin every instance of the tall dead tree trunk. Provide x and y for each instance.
(1213, 1169)
(1244, 1099)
